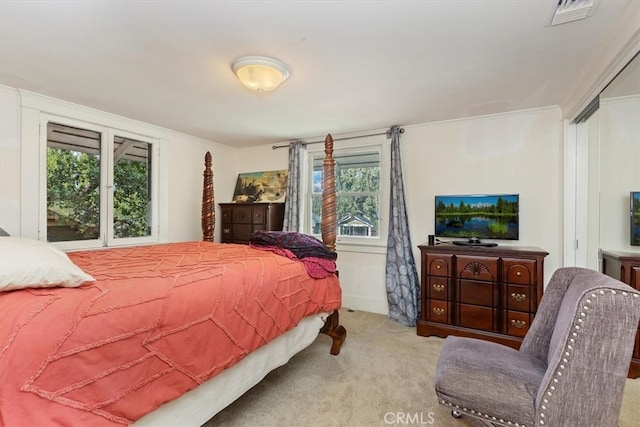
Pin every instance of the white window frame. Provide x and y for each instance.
(35, 112)
(153, 236)
(363, 144)
(108, 134)
(45, 119)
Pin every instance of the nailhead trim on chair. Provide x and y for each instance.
(479, 414)
(569, 349)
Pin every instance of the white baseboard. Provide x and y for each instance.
(360, 303)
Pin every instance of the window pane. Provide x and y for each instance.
(73, 183)
(316, 214)
(358, 172)
(354, 172)
(358, 216)
(131, 188)
(316, 179)
(357, 192)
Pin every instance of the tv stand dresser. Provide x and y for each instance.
(625, 266)
(490, 293)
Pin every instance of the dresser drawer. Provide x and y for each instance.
(635, 277)
(477, 317)
(478, 293)
(241, 232)
(520, 271)
(520, 298)
(517, 323)
(242, 214)
(226, 215)
(259, 214)
(477, 268)
(439, 288)
(438, 311)
(227, 235)
(438, 265)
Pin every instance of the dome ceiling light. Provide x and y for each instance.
(260, 73)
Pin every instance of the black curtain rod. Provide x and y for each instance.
(275, 147)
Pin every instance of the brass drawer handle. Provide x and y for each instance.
(518, 297)
(438, 267)
(226, 230)
(518, 273)
(438, 287)
(520, 324)
(438, 311)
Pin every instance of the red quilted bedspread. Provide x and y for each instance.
(158, 321)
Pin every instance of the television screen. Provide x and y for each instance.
(477, 216)
(634, 213)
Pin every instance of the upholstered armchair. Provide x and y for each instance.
(571, 367)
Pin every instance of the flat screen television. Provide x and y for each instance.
(634, 214)
(477, 216)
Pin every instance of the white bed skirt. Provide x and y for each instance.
(197, 406)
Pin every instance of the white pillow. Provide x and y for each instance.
(29, 263)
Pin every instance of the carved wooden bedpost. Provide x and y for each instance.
(332, 326)
(208, 202)
(329, 215)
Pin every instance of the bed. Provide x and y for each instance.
(112, 352)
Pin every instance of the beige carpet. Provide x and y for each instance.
(383, 376)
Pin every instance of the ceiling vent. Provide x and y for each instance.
(571, 10)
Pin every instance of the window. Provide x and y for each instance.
(100, 186)
(358, 194)
(73, 183)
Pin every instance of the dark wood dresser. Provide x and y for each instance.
(625, 266)
(239, 220)
(490, 293)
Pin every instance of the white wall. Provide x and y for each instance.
(182, 154)
(619, 169)
(186, 161)
(519, 152)
(9, 160)
(260, 158)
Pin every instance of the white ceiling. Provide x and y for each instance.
(355, 65)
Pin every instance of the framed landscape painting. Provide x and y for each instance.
(261, 187)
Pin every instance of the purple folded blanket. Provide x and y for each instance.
(302, 245)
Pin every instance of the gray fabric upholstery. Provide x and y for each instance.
(570, 369)
(506, 379)
(536, 342)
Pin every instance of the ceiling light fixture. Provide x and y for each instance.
(260, 73)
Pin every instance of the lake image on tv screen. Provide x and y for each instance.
(489, 217)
